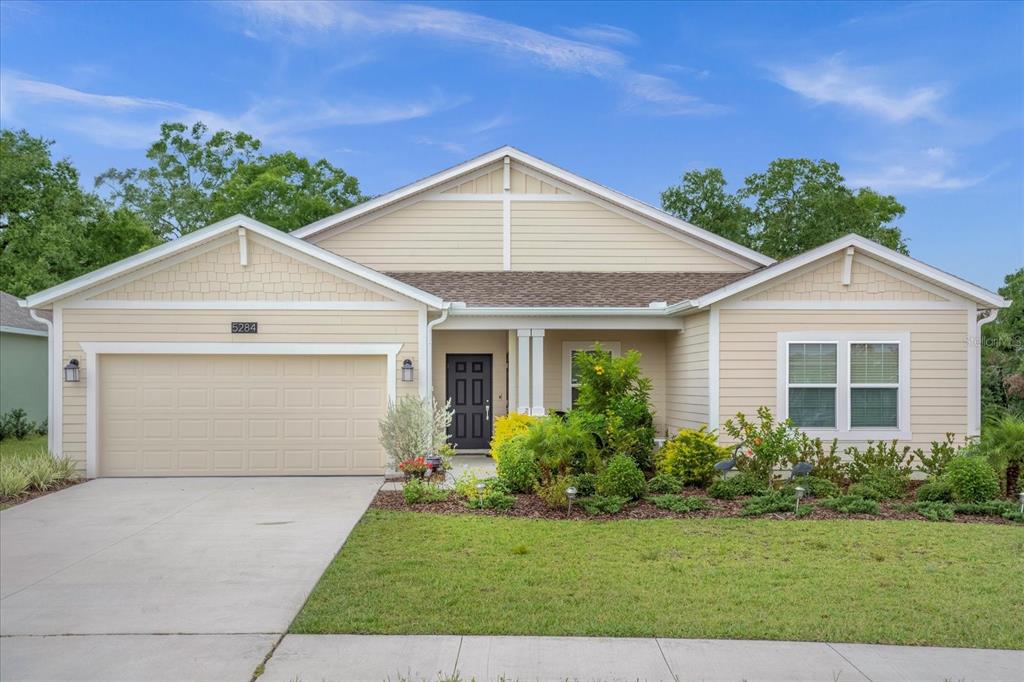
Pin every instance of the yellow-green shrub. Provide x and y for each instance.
(690, 456)
(508, 427)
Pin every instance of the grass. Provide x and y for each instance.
(895, 582)
(26, 467)
(12, 449)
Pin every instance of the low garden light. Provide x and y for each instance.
(407, 370)
(480, 493)
(571, 494)
(71, 371)
(1021, 496)
(799, 496)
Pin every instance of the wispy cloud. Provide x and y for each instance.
(832, 81)
(302, 22)
(493, 123)
(604, 33)
(131, 121)
(452, 147)
(931, 169)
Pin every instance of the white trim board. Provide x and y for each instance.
(24, 332)
(93, 349)
(241, 305)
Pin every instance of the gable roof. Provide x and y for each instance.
(567, 177)
(17, 320)
(214, 231)
(966, 289)
(548, 289)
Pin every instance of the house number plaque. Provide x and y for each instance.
(243, 327)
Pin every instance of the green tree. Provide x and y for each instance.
(795, 205)
(1002, 371)
(50, 229)
(197, 178)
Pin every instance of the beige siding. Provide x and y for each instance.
(218, 275)
(494, 343)
(571, 235)
(429, 235)
(686, 375)
(650, 344)
(213, 326)
(521, 181)
(938, 360)
(824, 283)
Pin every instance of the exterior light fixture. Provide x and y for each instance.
(407, 370)
(1021, 496)
(571, 494)
(71, 371)
(799, 496)
(480, 493)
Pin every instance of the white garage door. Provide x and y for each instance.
(255, 415)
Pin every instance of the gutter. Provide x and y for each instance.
(445, 307)
(50, 426)
(656, 309)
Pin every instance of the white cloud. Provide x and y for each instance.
(303, 22)
(40, 91)
(831, 81)
(452, 147)
(931, 169)
(499, 121)
(604, 33)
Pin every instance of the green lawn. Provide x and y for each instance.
(12, 449)
(897, 582)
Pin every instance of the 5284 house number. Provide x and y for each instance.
(243, 327)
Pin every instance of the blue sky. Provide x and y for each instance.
(922, 100)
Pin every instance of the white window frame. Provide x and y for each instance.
(834, 386)
(844, 340)
(614, 347)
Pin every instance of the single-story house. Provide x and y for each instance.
(23, 360)
(239, 349)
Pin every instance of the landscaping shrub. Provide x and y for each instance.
(724, 489)
(561, 446)
(492, 499)
(418, 491)
(890, 484)
(602, 504)
(13, 482)
(766, 444)
(615, 389)
(814, 486)
(769, 502)
(506, 428)
(552, 492)
(585, 484)
(465, 485)
(827, 465)
(934, 463)
(16, 424)
(517, 468)
(881, 459)
(989, 508)
(935, 491)
(622, 477)
(933, 511)
(972, 478)
(851, 504)
(730, 488)
(865, 490)
(413, 427)
(1003, 442)
(679, 503)
(663, 484)
(36, 472)
(691, 455)
(42, 427)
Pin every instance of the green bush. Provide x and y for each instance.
(768, 502)
(814, 486)
(38, 472)
(989, 508)
(552, 492)
(690, 456)
(879, 460)
(934, 463)
(585, 484)
(13, 482)
(601, 504)
(517, 468)
(972, 478)
(828, 465)
(935, 491)
(743, 483)
(15, 424)
(865, 490)
(679, 503)
(562, 446)
(891, 484)
(767, 444)
(1003, 442)
(851, 504)
(506, 428)
(664, 484)
(933, 511)
(724, 489)
(416, 491)
(493, 499)
(623, 478)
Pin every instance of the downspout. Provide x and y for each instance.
(49, 377)
(983, 318)
(430, 346)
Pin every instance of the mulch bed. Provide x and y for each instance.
(531, 507)
(8, 502)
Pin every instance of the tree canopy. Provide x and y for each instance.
(1003, 353)
(794, 206)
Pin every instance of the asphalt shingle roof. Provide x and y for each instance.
(567, 289)
(13, 315)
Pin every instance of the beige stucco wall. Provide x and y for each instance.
(427, 235)
(686, 374)
(197, 326)
(218, 275)
(938, 360)
(493, 342)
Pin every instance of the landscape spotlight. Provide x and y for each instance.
(799, 496)
(571, 494)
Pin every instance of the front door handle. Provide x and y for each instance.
(487, 411)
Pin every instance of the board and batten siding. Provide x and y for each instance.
(427, 235)
(748, 343)
(686, 375)
(581, 235)
(213, 326)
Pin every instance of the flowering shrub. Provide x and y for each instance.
(508, 427)
(413, 467)
(765, 444)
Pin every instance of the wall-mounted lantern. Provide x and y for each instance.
(71, 371)
(407, 370)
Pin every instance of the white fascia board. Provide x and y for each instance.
(882, 253)
(18, 330)
(91, 279)
(508, 311)
(567, 177)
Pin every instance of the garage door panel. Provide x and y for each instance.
(252, 415)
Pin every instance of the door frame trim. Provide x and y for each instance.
(93, 349)
(447, 395)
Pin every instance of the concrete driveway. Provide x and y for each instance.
(174, 578)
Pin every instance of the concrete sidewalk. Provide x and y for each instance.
(339, 658)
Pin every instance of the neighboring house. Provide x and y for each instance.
(239, 349)
(23, 358)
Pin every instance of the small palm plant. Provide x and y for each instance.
(1004, 443)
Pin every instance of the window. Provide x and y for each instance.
(846, 384)
(570, 380)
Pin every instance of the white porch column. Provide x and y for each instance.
(537, 378)
(523, 372)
